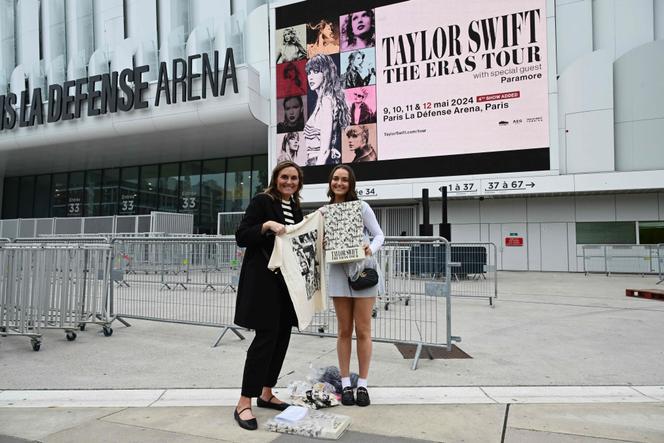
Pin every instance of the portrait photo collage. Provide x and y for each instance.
(326, 90)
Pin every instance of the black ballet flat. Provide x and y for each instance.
(268, 404)
(250, 425)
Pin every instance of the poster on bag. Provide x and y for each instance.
(430, 78)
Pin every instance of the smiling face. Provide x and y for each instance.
(340, 184)
(292, 110)
(315, 79)
(288, 182)
(360, 23)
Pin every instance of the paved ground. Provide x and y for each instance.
(561, 358)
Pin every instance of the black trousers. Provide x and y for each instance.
(266, 353)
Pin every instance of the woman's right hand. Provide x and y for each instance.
(273, 226)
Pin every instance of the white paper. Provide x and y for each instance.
(292, 414)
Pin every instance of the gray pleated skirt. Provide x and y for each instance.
(337, 284)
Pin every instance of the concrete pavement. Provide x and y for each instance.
(561, 358)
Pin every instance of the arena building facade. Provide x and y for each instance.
(543, 119)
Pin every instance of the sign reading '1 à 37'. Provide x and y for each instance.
(113, 92)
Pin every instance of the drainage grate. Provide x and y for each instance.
(431, 352)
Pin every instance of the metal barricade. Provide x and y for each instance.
(660, 262)
(474, 270)
(608, 259)
(417, 271)
(53, 287)
(190, 280)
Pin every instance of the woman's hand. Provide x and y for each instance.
(273, 226)
(367, 250)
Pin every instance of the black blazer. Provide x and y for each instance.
(260, 292)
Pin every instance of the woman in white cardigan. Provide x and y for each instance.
(353, 307)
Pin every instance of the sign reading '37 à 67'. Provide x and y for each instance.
(113, 92)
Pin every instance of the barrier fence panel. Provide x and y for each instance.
(607, 259)
(53, 286)
(474, 270)
(171, 222)
(660, 262)
(416, 293)
(19, 313)
(191, 280)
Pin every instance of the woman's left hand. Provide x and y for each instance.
(367, 250)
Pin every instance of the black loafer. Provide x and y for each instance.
(362, 397)
(347, 397)
(250, 425)
(268, 404)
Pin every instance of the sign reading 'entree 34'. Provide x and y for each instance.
(121, 91)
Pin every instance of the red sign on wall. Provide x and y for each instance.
(513, 241)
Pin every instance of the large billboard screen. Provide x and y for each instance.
(416, 88)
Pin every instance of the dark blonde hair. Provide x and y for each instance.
(271, 189)
(351, 195)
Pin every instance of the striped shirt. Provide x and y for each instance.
(287, 207)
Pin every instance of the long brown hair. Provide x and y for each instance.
(271, 189)
(351, 195)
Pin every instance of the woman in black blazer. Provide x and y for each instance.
(263, 301)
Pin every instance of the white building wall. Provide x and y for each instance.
(622, 25)
(550, 229)
(27, 41)
(590, 208)
(511, 210)
(585, 106)
(7, 44)
(637, 207)
(53, 43)
(574, 38)
(173, 29)
(533, 242)
(142, 28)
(108, 25)
(639, 113)
(659, 19)
(550, 209)
(80, 39)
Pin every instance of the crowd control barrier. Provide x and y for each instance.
(608, 259)
(417, 292)
(190, 280)
(660, 262)
(193, 280)
(53, 287)
(474, 271)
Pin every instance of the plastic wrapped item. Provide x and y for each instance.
(298, 389)
(324, 387)
(320, 395)
(316, 424)
(332, 376)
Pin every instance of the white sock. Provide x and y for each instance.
(345, 382)
(362, 382)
